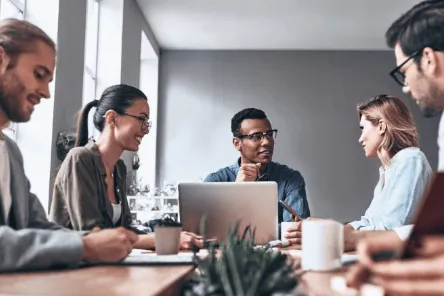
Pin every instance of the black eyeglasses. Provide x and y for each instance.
(258, 137)
(400, 76)
(146, 122)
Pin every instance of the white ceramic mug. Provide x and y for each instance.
(322, 244)
(167, 239)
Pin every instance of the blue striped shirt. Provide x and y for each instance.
(291, 186)
(398, 193)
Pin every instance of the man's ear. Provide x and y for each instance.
(382, 127)
(237, 143)
(111, 118)
(4, 60)
(429, 61)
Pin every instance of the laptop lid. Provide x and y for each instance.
(224, 203)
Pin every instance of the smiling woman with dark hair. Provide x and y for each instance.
(90, 187)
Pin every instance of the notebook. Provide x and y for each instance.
(146, 258)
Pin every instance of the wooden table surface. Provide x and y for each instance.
(103, 280)
(128, 280)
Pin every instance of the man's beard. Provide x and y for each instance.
(10, 90)
(435, 102)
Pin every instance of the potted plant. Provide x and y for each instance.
(241, 269)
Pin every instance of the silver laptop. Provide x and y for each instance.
(254, 203)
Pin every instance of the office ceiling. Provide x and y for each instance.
(272, 24)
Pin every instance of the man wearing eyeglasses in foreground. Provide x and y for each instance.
(254, 138)
(418, 40)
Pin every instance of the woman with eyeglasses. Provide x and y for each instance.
(90, 187)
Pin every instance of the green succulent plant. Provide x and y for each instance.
(241, 269)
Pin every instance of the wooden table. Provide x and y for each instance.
(128, 280)
(318, 283)
(315, 283)
(104, 280)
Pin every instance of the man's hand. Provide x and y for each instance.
(351, 237)
(109, 245)
(188, 239)
(248, 172)
(422, 275)
(294, 234)
(360, 273)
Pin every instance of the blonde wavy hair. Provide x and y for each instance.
(401, 130)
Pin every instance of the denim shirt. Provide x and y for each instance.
(398, 192)
(291, 186)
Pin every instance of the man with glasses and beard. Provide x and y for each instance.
(27, 239)
(254, 138)
(417, 38)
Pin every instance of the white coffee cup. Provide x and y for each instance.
(284, 228)
(167, 239)
(322, 244)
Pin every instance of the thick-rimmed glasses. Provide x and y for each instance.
(258, 137)
(398, 75)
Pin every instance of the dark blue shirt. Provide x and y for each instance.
(291, 186)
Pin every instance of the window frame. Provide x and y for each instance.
(92, 73)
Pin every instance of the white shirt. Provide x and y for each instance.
(398, 192)
(117, 211)
(5, 178)
(404, 231)
(441, 144)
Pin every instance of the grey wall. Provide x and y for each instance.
(69, 73)
(309, 96)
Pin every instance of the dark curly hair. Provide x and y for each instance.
(239, 117)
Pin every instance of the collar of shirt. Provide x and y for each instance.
(92, 147)
(398, 156)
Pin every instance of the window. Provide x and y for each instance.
(91, 47)
(91, 44)
(12, 9)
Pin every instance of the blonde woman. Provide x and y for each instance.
(389, 134)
